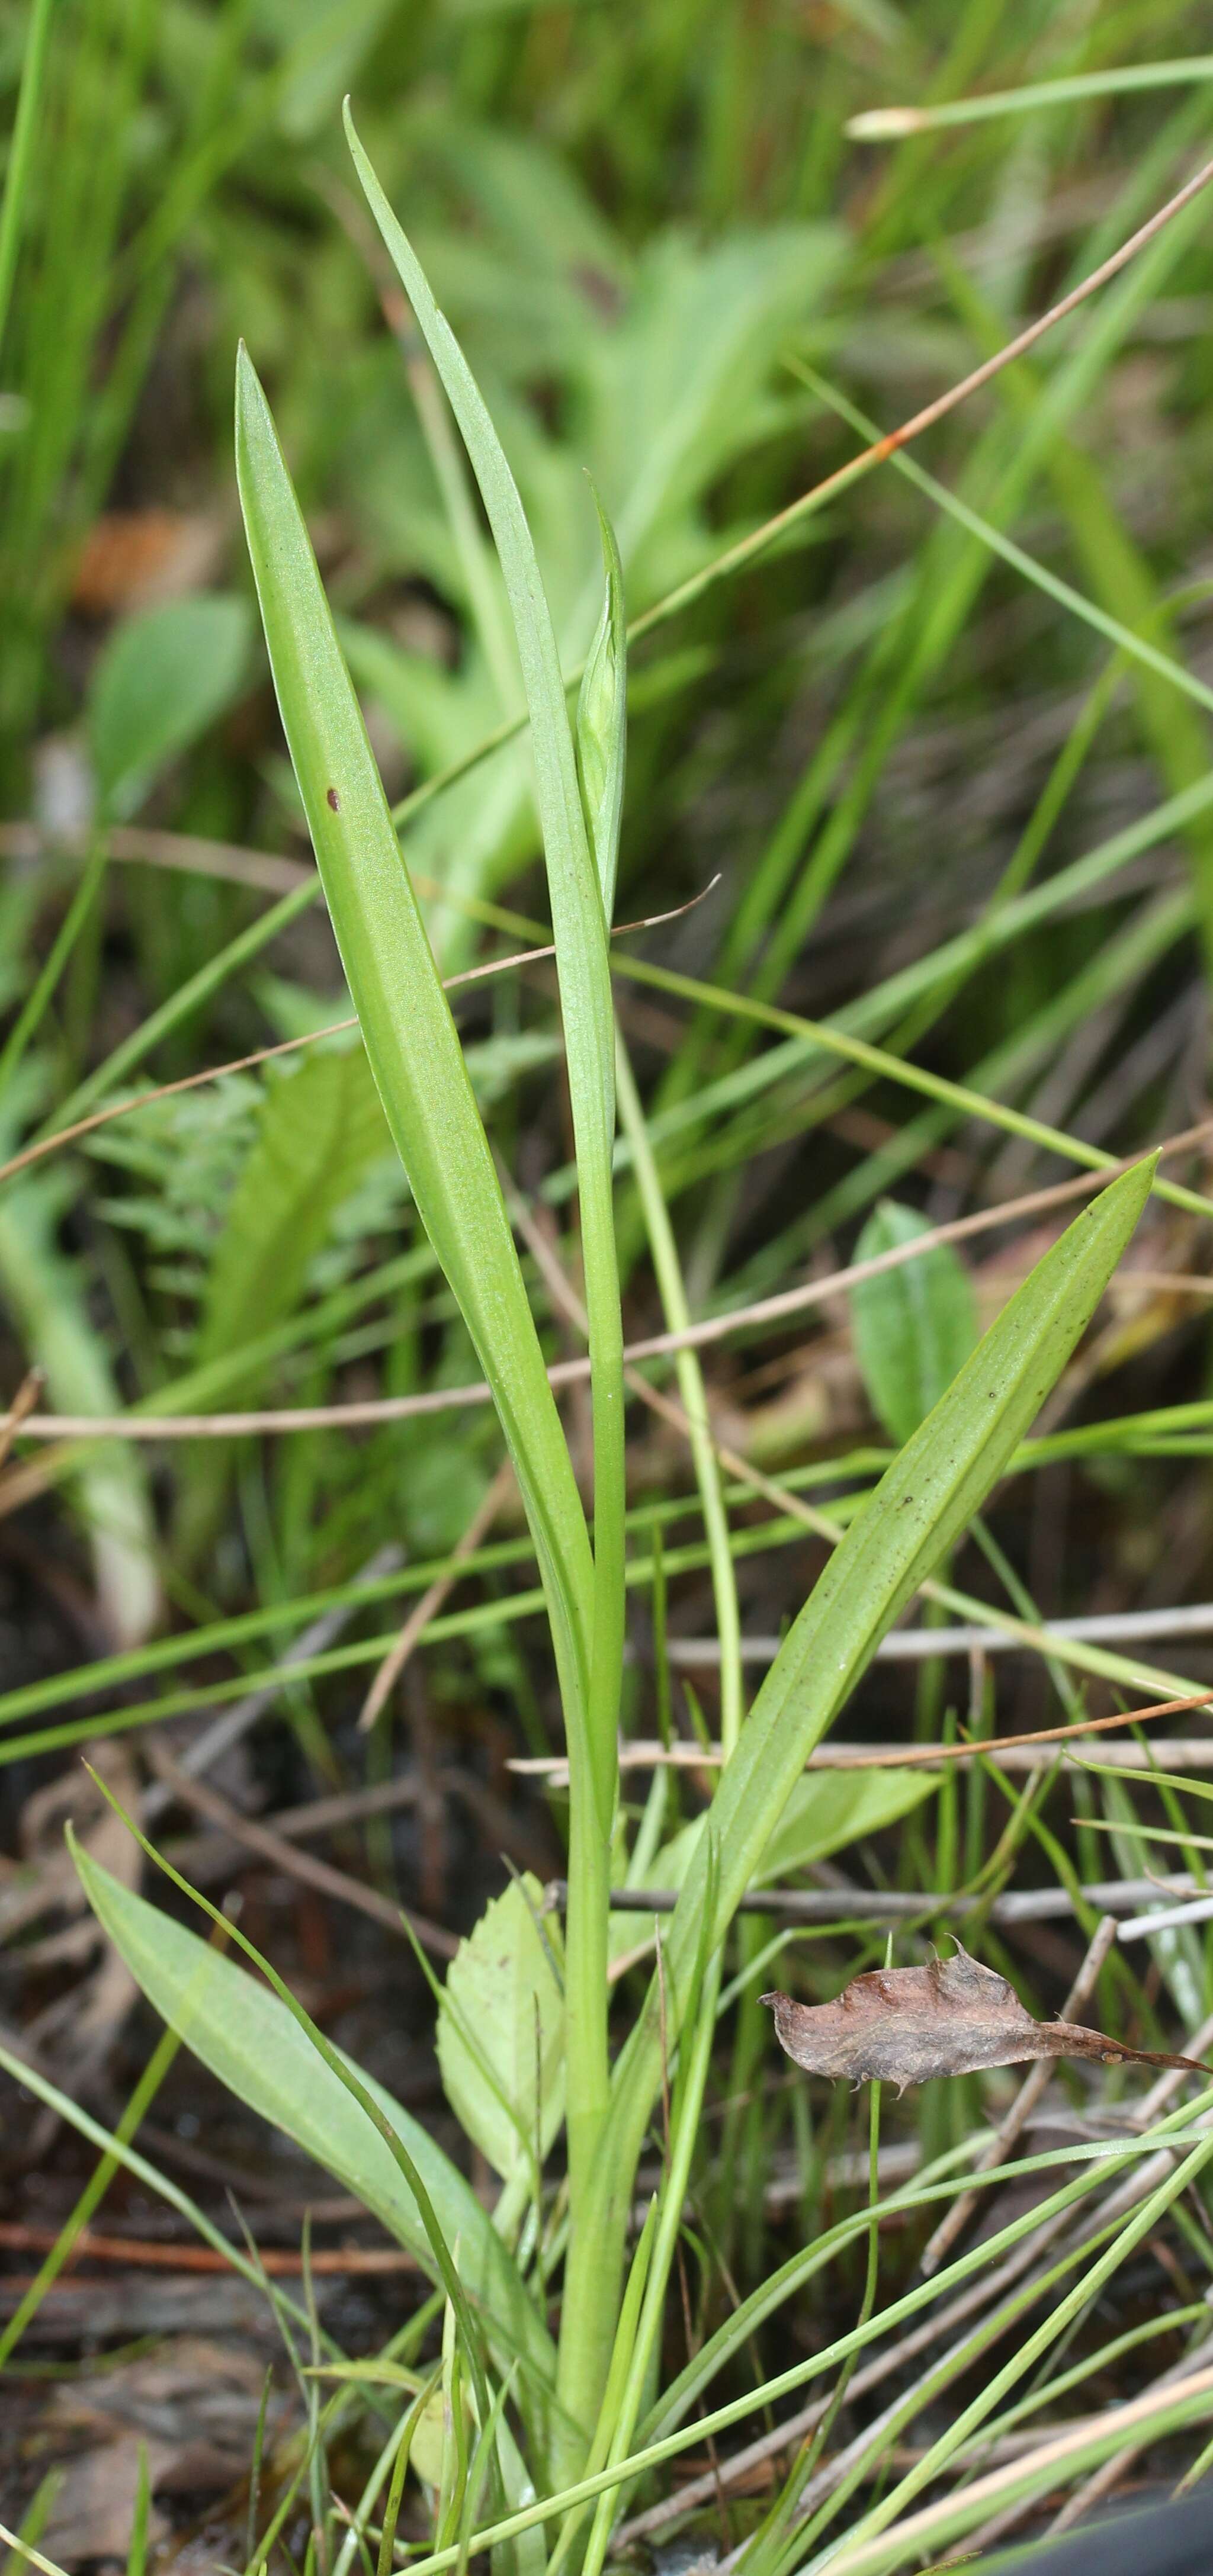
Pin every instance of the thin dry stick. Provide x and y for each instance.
(1029, 2094)
(432, 1600)
(181, 851)
(926, 1645)
(647, 1754)
(151, 2256)
(846, 1902)
(763, 1312)
(21, 1407)
(301, 1865)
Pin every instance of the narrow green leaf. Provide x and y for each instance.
(407, 1028)
(249, 2040)
(582, 963)
(602, 714)
(915, 1326)
(136, 2556)
(917, 1512)
(34, 2524)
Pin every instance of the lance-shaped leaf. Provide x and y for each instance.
(409, 1034)
(582, 964)
(916, 1514)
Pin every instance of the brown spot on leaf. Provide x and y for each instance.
(332, 798)
(904, 2025)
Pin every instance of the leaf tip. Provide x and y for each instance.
(250, 395)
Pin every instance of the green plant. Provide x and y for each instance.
(528, 2413)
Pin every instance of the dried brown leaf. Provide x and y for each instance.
(904, 2025)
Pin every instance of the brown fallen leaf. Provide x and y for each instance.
(904, 2025)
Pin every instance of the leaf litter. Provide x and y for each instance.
(905, 2025)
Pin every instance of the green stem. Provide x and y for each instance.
(692, 1391)
(21, 149)
(31, 1014)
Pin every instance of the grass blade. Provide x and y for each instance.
(407, 1028)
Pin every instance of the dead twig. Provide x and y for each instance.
(432, 1600)
(145, 2256)
(646, 1754)
(879, 1905)
(296, 1864)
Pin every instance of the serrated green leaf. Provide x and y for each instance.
(914, 1326)
(161, 679)
(409, 1034)
(249, 2040)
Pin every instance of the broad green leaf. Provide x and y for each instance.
(582, 962)
(409, 1034)
(918, 1511)
(163, 676)
(826, 1811)
(248, 2039)
(320, 1129)
(914, 1326)
(501, 2033)
(428, 2448)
